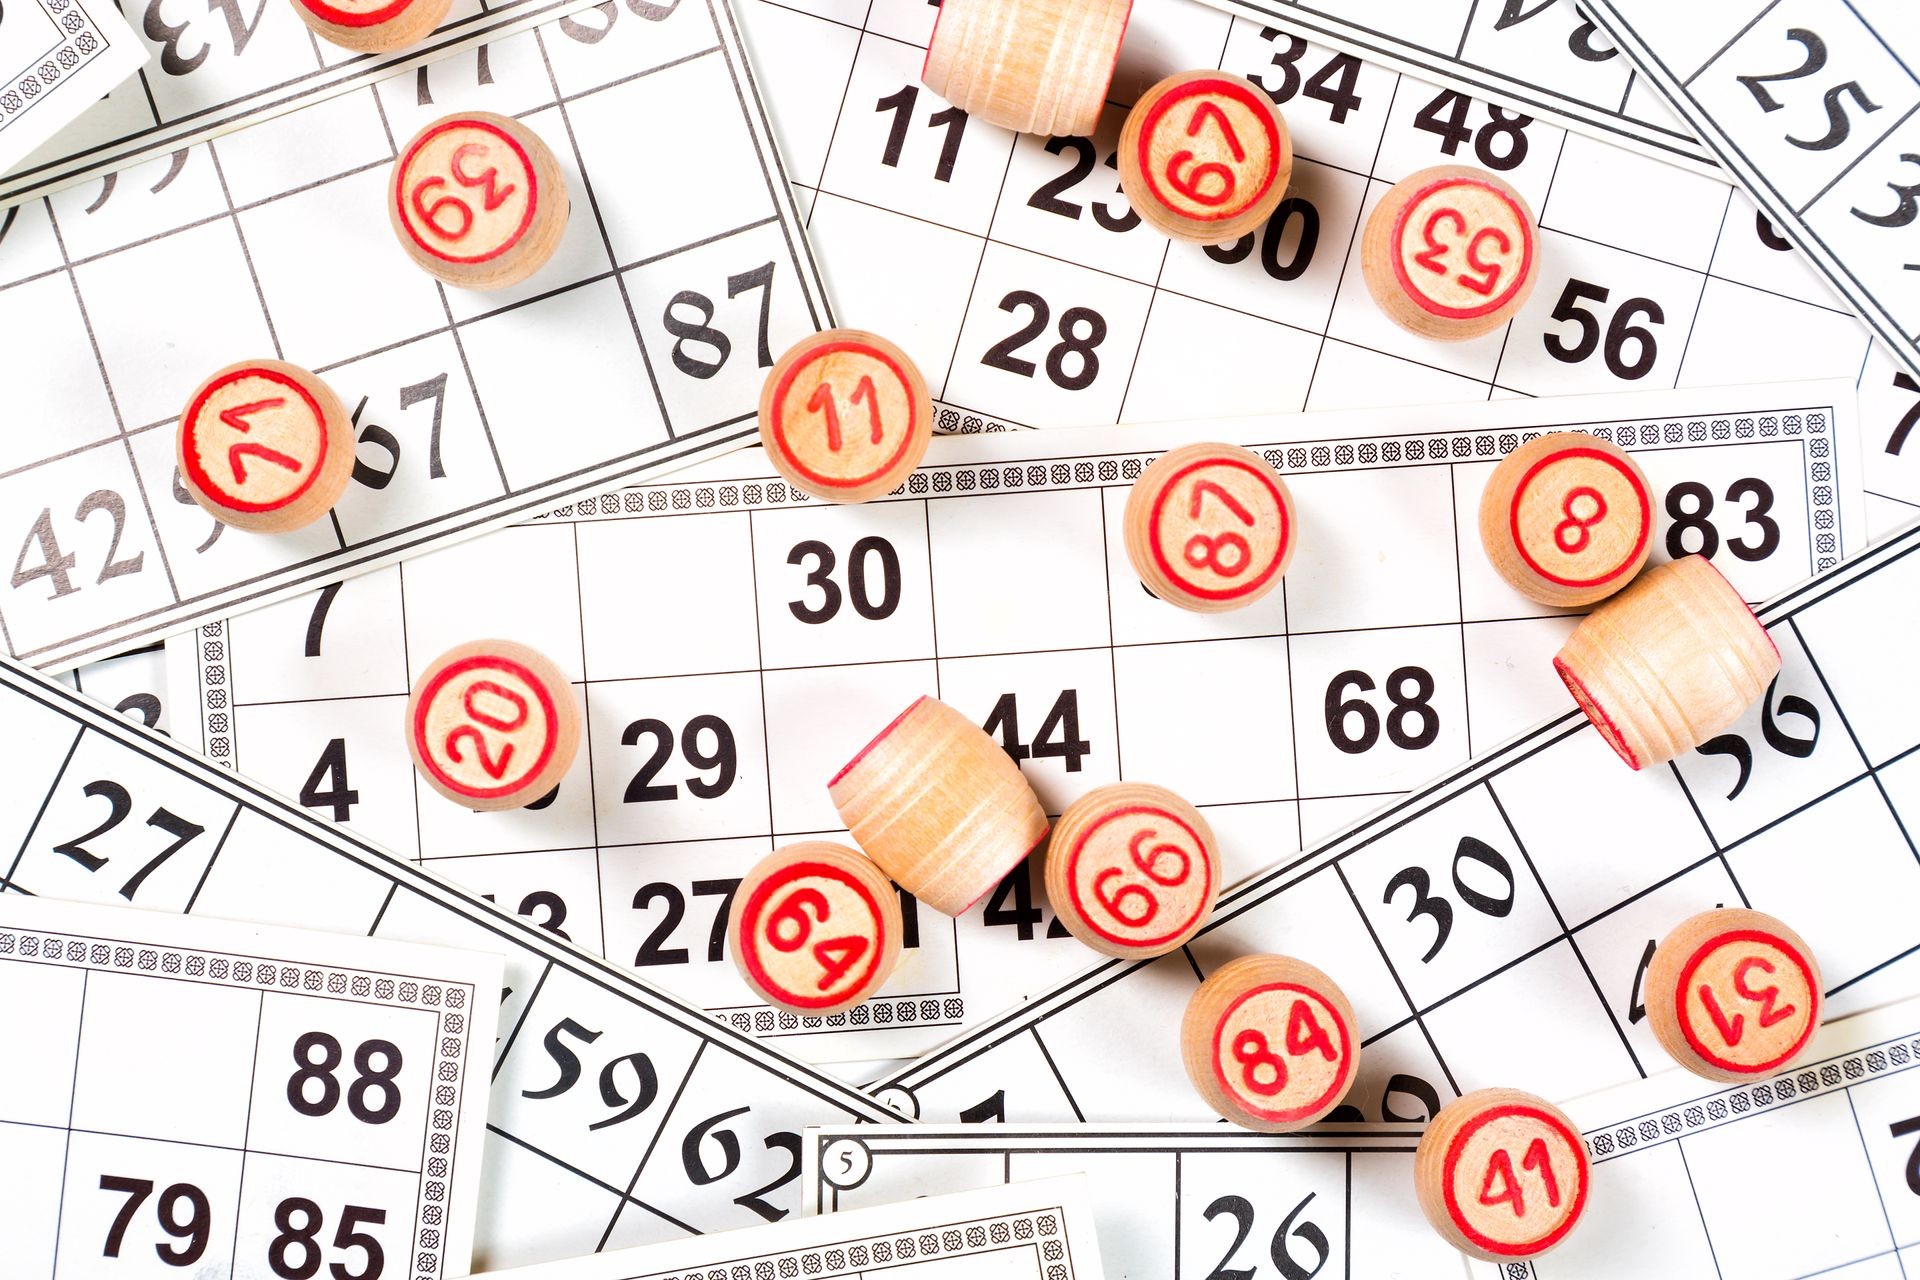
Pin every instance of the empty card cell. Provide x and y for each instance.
(1396, 1244)
(322, 256)
(344, 759)
(43, 1006)
(1349, 376)
(1019, 572)
(153, 356)
(419, 911)
(1635, 828)
(461, 593)
(1803, 93)
(1047, 343)
(697, 570)
(1752, 251)
(275, 873)
(900, 146)
(1450, 896)
(1741, 333)
(32, 248)
(273, 156)
(1844, 874)
(1134, 1196)
(1735, 1170)
(1252, 1206)
(666, 908)
(678, 760)
(840, 584)
(1313, 920)
(1599, 319)
(726, 1158)
(345, 1080)
(332, 1202)
(534, 1208)
(1787, 750)
(1599, 191)
(1140, 617)
(84, 550)
(1388, 570)
(859, 249)
(165, 1059)
(553, 889)
(1062, 198)
(1511, 686)
(806, 747)
(1642, 1220)
(151, 1207)
(1853, 638)
(123, 827)
(1539, 1021)
(1013, 1079)
(507, 76)
(893, 1176)
(1618, 947)
(1335, 103)
(597, 402)
(201, 555)
(32, 754)
(29, 1200)
(1379, 711)
(587, 1081)
(802, 63)
(422, 452)
(343, 640)
(1287, 269)
(1052, 712)
(1212, 721)
(1192, 363)
(715, 317)
(735, 187)
(47, 334)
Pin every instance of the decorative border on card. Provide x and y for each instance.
(447, 1001)
(878, 1012)
(82, 44)
(1038, 1229)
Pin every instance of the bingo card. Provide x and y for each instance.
(1687, 1176)
(998, 581)
(56, 58)
(640, 347)
(226, 65)
(1811, 105)
(1014, 273)
(1493, 928)
(1031, 1231)
(239, 1099)
(1174, 1203)
(132, 683)
(1890, 467)
(620, 1115)
(1545, 57)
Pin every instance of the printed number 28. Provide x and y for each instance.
(1082, 330)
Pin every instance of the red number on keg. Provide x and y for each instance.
(1148, 860)
(236, 417)
(430, 213)
(836, 956)
(1149, 908)
(792, 911)
(821, 401)
(1575, 532)
(1733, 1030)
(495, 767)
(1189, 184)
(1204, 487)
(1500, 1167)
(1430, 257)
(1304, 1033)
(1209, 556)
(1252, 1052)
(495, 195)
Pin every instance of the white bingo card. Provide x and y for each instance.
(639, 347)
(1493, 927)
(619, 1114)
(132, 683)
(1014, 273)
(57, 58)
(1811, 1173)
(997, 581)
(190, 1096)
(215, 68)
(1811, 105)
(1889, 442)
(1174, 1203)
(1540, 56)
(1027, 1231)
